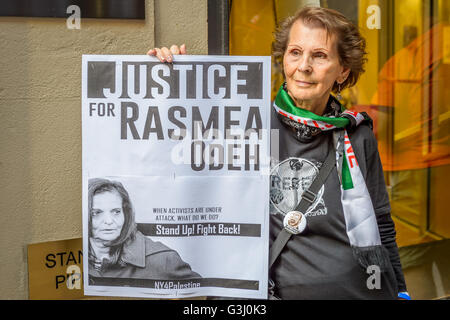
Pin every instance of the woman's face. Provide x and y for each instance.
(311, 64)
(107, 216)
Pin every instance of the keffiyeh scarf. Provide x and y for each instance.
(361, 224)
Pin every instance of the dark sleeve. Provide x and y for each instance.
(377, 188)
(175, 268)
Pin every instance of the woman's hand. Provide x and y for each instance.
(166, 55)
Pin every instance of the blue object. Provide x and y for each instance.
(404, 295)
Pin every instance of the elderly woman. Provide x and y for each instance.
(117, 250)
(341, 243)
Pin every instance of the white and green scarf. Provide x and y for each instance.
(360, 219)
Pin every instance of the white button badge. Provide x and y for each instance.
(294, 222)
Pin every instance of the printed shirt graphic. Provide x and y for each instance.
(289, 179)
(318, 263)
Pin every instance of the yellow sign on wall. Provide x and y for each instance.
(55, 270)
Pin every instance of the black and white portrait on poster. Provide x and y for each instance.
(176, 172)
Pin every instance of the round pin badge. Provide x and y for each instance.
(294, 222)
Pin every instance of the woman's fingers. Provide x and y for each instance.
(156, 52)
(159, 53)
(183, 49)
(151, 52)
(174, 49)
(166, 55)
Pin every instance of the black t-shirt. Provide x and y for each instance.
(319, 263)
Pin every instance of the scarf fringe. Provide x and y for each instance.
(373, 255)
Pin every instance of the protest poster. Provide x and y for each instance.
(175, 170)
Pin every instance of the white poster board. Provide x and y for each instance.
(187, 144)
